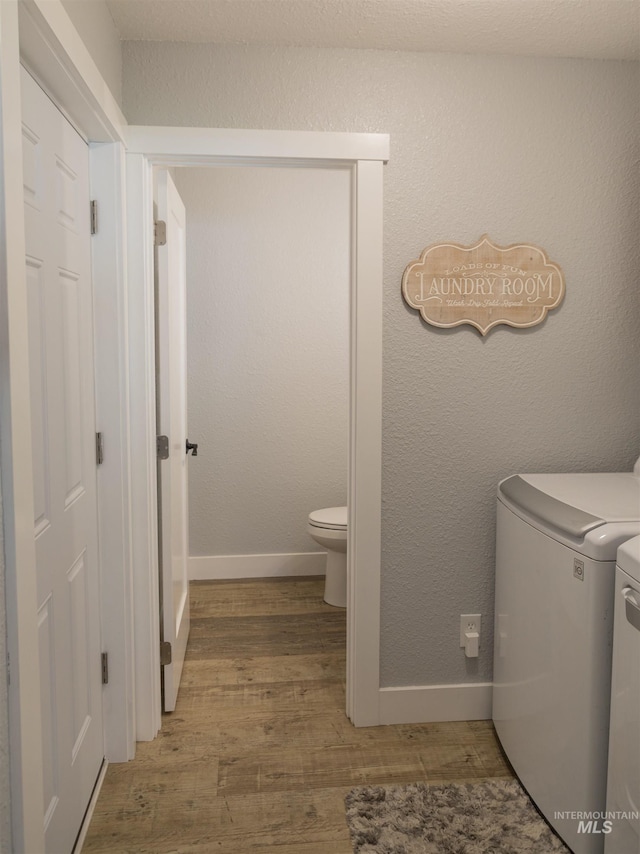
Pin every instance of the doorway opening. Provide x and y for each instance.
(253, 343)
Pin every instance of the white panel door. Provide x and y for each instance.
(172, 422)
(56, 196)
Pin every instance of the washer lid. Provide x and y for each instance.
(574, 504)
(629, 558)
(330, 517)
(613, 497)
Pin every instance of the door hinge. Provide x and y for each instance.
(162, 447)
(94, 217)
(105, 668)
(165, 653)
(159, 233)
(99, 449)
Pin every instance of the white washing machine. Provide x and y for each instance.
(623, 780)
(557, 537)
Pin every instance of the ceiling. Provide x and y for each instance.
(598, 29)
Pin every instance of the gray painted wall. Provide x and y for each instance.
(92, 19)
(268, 353)
(525, 149)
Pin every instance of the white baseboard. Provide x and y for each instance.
(429, 703)
(212, 567)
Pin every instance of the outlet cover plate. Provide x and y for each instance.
(469, 623)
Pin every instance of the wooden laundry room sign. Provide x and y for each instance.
(483, 285)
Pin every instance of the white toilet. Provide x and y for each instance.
(328, 528)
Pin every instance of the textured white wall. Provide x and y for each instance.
(92, 19)
(268, 359)
(530, 149)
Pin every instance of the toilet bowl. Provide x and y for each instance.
(328, 528)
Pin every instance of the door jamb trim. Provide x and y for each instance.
(166, 147)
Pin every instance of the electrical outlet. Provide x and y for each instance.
(469, 623)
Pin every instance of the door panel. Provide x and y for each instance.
(56, 194)
(71, 293)
(38, 368)
(48, 711)
(172, 422)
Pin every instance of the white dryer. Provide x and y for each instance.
(557, 537)
(623, 779)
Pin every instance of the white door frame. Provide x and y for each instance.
(364, 155)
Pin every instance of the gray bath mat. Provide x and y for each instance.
(491, 817)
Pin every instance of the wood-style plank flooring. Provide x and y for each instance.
(259, 754)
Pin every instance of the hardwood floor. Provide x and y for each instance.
(259, 754)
